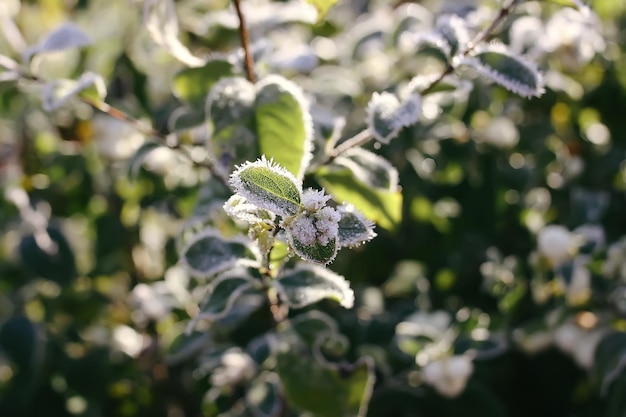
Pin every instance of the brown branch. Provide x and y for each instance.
(245, 43)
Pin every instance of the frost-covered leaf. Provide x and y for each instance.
(317, 252)
(382, 206)
(193, 85)
(370, 168)
(160, 20)
(323, 389)
(322, 7)
(354, 228)
(513, 72)
(387, 115)
(610, 361)
(223, 291)
(209, 253)
(312, 326)
(239, 208)
(230, 109)
(283, 124)
(66, 36)
(269, 186)
(58, 92)
(308, 284)
(135, 163)
(452, 29)
(263, 397)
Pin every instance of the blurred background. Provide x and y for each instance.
(93, 305)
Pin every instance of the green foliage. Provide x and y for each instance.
(354, 214)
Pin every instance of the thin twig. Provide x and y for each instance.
(245, 43)
(359, 139)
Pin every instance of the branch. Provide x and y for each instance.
(245, 43)
(478, 39)
(365, 136)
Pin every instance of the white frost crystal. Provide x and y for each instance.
(320, 226)
(313, 200)
(449, 376)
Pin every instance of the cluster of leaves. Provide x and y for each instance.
(173, 217)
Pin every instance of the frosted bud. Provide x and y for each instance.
(313, 200)
(320, 227)
(553, 242)
(448, 376)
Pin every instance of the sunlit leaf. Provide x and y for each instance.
(308, 284)
(322, 6)
(192, 85)
(381, 206)
(283, 124)
(269, 186)
(230, 109)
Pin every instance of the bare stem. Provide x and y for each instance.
(245, 43)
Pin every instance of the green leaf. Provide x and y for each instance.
(192, 85)
(322, 6)
(383, 207)
(354, 228)
(269, 186)
(387, 115)
(323, 389)
(140, 155)
(208, 253)
(370, 168)
(510, 71)
(318, 253)
(609, 361)
(311, 325)
(223, 291)
(263, 397)
(308, 284)
(230, 109)
(283, 124)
